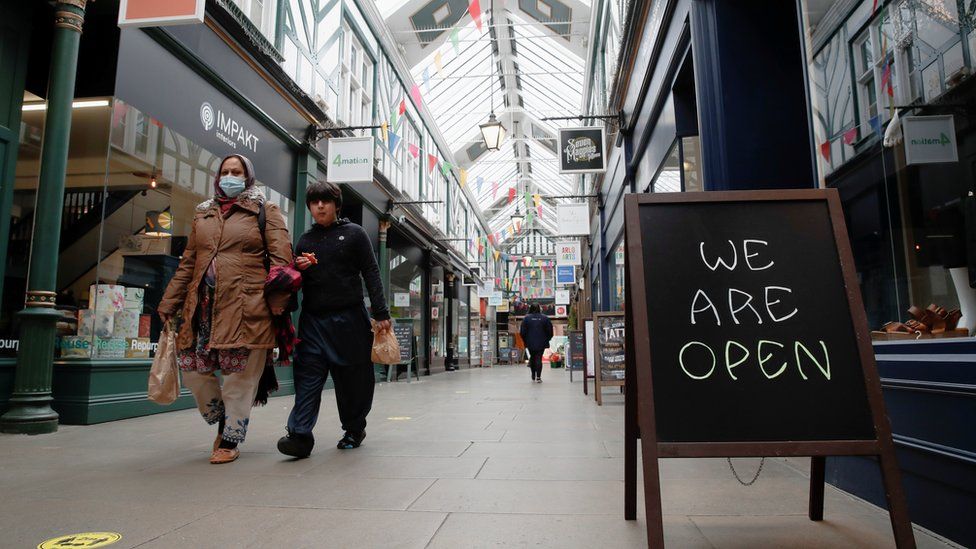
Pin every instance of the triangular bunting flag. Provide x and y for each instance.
(454, 41)
(539, 209)
(446, 168)
(464, 177)
(403, 106)
(850, 135)
(474, 8)
(394, 141)
(384, 129)
(415, 95)
(414, 150)
(427, 80)
(431, 162)
(825, 150)
(511, 194)
(478, 182)
(537, 199)
(876, 125)
(438, 64)
(494, 189)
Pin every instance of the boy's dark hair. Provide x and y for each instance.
(534, 308)
(324, 191)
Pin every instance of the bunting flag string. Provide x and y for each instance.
(427, 80)
(415, 95)
(414, 150)
(511, 194)
(464, 177)
(431, 162)
(439, 64)
(384, 129)
(394, 141)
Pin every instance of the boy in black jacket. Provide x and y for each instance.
(334, 329)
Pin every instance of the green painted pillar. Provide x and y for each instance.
(30, 405)
(384, 259)
(15, 31)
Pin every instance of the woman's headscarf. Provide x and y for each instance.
(249, 180)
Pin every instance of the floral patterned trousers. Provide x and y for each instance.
(231, 402)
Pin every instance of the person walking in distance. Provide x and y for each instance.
(536, 331)
(335, 257)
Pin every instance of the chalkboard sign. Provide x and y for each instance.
(404, 334)
(608, 339)
(748, 338)
(751, 338)
(610, 345)
(576, 357)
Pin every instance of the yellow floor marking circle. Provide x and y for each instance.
(87, 540)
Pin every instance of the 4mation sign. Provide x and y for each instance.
(350, 160)
(930, 139)
(582, 150)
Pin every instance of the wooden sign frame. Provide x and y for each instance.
(639, 413)
(598, 382)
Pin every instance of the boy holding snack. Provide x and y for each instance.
(335, 257)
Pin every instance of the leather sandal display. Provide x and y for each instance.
(934, 321)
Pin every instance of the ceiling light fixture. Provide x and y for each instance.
(492, 131)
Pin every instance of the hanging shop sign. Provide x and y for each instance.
(350, 160)
(495, 299)
(725, 325)
(153, 13)
(930, 139)
(401, 299)
(198, 112)
(573, 219)
(560, 311)
(486, 289)
(502, 307)
(569, 253)
(565, 275)
(582, 150)
(562, 297)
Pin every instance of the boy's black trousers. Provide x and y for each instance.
(337, 343)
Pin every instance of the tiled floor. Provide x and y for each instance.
(476, 458)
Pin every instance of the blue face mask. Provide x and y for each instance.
(231, 185)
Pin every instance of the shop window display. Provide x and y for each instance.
(406, 291)
(438, 314)
(461, 320)
(133, 186)
(907, 223)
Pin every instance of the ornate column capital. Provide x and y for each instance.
(67, 18)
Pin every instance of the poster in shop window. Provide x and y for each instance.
(582, 150)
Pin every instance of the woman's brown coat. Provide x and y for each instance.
(241, 315)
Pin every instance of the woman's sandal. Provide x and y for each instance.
(350, 440)
(224, 455)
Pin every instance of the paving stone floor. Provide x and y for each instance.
(475, 458)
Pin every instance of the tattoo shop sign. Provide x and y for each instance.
(582, 150)
(350, 160)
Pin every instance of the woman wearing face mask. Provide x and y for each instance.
(226, 319)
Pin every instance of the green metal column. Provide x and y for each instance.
(307, 173)
(14, 45)
(384, 259)
(30, 406)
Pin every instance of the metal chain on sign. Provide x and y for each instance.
(736, 475)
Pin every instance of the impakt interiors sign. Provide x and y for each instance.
(225, 128)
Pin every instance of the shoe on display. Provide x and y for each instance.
(296, 445)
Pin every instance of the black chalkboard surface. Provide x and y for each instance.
(576, 357)
(404, 334)
(750, 329)
(610, 349)
(746, 336)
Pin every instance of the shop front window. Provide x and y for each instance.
(906, 223)
(617, 275)
(406, 295)
(461, 321)
(438, 313)
(132, 187)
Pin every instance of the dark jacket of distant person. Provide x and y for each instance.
(536, 331)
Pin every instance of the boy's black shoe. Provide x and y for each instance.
(351, 440)
(296, 445)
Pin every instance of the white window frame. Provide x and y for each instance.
(355, 96)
